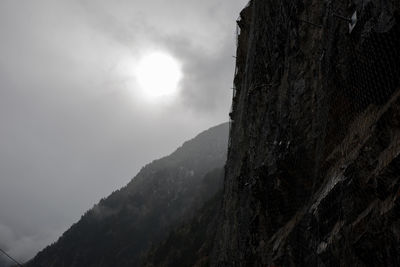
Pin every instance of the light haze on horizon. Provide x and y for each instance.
(73, 125)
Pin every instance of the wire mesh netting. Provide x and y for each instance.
(347, 210)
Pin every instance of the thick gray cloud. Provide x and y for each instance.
(73, 126)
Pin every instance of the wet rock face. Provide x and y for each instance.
(313, 171)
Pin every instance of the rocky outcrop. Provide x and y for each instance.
(313, 170)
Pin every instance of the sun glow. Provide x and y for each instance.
(158, 74)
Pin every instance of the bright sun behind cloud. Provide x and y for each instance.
(158, 75)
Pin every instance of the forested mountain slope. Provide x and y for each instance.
(120, 228)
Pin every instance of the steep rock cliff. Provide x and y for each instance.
(312, 177)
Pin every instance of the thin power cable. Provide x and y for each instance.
(11, 258)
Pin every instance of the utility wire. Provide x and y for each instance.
(11, 258)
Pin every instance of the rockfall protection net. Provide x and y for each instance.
(362, 136)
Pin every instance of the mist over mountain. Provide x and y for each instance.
(311, 176)
(120, 228)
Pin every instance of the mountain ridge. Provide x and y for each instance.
(119, 229)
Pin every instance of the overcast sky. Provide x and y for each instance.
(73, 124)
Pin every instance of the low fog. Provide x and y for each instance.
(74, 126)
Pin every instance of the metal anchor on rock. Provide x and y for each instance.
(352, 21)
